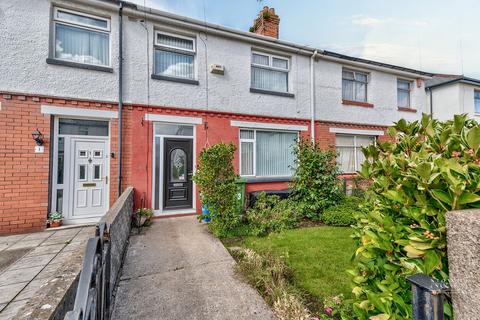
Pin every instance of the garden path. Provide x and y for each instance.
(177, 270)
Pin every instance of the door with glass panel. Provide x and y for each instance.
(178, 170)
(90, 181)
(80, 169)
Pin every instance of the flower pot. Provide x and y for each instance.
(55, 223)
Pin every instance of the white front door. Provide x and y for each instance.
(90, 178)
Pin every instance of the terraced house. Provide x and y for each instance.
(97, 95)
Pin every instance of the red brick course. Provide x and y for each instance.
(24, 175)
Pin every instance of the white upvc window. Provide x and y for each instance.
(269, 72)
(404, 88)
(477, 101)
(80, 37)
(174, 56)
(349, 151)
(265, 153)
(354, 85)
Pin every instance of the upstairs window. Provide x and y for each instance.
(477, 101)
(349, 151)
(174, 56)
(266, 153)
(81, 37)
(354, 86)
(269, 72)
(403, 93)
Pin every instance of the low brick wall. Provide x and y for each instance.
(463, 244)
(56, 298)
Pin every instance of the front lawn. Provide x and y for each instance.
(318, 256)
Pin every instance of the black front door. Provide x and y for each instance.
(178, 166)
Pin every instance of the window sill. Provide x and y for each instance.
(267, 179)
(273, 93)
(407, 109)
(174, 79)
(78, 65)
(357, 103)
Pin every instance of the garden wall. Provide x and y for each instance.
(463, 242)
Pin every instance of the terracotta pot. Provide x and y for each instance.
(55, 223)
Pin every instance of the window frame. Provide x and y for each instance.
(270, 67)
(79, 25)
(409, 91)
(164, 47)
(254, 141)
(355, 147)
(475, 99)
(354, 80)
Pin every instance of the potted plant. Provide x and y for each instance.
(55, 219)
(142, 218)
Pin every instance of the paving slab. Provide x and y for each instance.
(18, 275)
(177, 270)
(33, 261)
(31, 288)
(11, 309)
(9, 257)
(42, 250)
(25, 244)
(9, 291)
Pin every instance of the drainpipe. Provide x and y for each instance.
(312, 97)
(120, 94)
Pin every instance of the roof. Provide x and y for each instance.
(439, 80)
(256, 37)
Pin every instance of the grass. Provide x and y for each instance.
(318, 256)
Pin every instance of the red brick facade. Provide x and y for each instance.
(267, 23)
(24, 174)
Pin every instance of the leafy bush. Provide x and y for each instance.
(342, 214)
(215, 178)
(315, 182)
(142, 218)
(431, 168)
(270, 214)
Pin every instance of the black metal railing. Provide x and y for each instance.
(428, 295)
(93, 300)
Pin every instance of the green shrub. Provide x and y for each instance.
(342, 214)
(431, 168)
(215, 177)
(315, 181)
(270, 214)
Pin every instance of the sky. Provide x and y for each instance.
(431, 35)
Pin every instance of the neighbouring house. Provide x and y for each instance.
(448, 95)
(73, 71)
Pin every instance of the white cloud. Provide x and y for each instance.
(365, 21)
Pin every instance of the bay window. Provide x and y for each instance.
(174, 56)
(81, 38)
(266, 153)
(269, 72)
(349, 151)
(354, 86)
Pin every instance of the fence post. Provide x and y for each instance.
(427, 297)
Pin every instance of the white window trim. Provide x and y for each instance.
(84, 26)
(78, 112)
(267, 126)
(172, 119)
(161, 46)
(270, 67)
(78, 13)
(357, 132)
(157, 44)
(254, 141)
(410, 86)
(367, 74)
(355, 149)
(475, 91)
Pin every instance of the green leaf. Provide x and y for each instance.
(473, 138)
(424, 170)
(431, 261)
(412, 252)
(468, 197)
(442, 196)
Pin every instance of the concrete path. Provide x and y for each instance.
(29, 261)
(176, 270)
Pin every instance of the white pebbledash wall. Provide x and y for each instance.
(449, 100)
(24, 34)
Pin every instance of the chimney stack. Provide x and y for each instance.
(266, 23)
